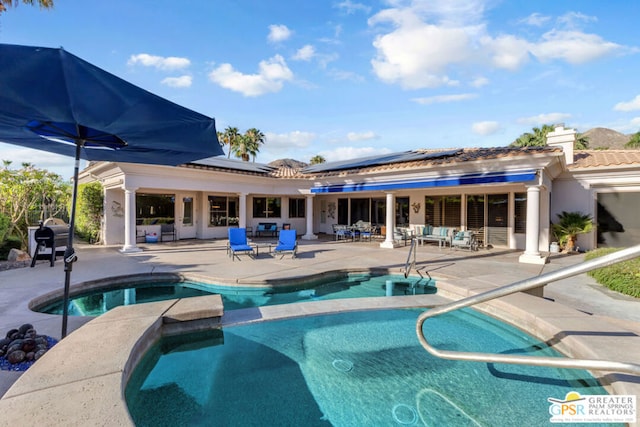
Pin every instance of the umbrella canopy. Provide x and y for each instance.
(54, 101)
(45, 87)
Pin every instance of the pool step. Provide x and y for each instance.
(195, 308)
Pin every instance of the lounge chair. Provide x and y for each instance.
(286, 243)
(238, 243)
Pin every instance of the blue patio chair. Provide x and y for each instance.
(238, 243)
(287, 243)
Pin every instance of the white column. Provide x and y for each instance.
(242, 210)
(130, 221)
(309, 214)
(531, 254)
(389, 221)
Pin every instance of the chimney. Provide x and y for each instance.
(564, 138)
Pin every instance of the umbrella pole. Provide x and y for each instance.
(69, 253)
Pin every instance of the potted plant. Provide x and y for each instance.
(569, 225)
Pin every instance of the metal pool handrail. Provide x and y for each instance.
(524, 285)
(410, 263)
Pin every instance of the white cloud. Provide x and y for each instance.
(421, 44)
(162, 63)
(270, 78)
(575, 19)
(417, 56)
(345, 153)
(485, 128)
(287, 141)
(535, 19)
(182, 81)
(56, 163)
(305, 53)
(361, 136)
(282, 145)
(632, 105)
(479, 82)
(507, 52)
(439, 99)
(346, 75)
(544, 119)
(572, 46)
(278, 33)
(350, 7)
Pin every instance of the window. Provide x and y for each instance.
(267, 207)
(360, 210)
(402, 211)
(296, 208)
(497, 210)
(378, 211)
(618, 221)
(520, 212)
(223, 211)
(343, 211)
(443, 210)
(155, 208)
(475, 212)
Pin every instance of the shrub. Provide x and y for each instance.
(11, 242)
(623, 277)
(5, 223)
(89, 211)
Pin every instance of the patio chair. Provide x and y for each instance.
(238, 243)
(342, 232)
(287, 243)
(465, 239)
(167, 231)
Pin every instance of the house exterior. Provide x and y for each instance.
(509, 196)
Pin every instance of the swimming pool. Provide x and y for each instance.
(347, 369)
(99, 301)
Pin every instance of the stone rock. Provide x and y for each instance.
(16, 255)
(24, 328)
(16, 356)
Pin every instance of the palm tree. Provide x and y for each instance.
(245, 148)
(44, 4)
(536, 139)
(317, 159)
(582, 142)
(254, 139)
(569, 225)
(229, 137)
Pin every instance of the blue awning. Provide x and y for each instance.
(444, 181)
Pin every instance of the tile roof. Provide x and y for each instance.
(584, 159)
(450, 156)
(455, 156)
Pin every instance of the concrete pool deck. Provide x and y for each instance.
(580, 317)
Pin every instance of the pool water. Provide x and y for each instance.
(348, 369)
(354, 286)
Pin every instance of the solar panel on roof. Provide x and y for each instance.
(385, 159)
(218, 162)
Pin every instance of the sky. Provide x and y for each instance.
(347, 78)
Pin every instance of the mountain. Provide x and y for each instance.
(288, 163)
(603, 138)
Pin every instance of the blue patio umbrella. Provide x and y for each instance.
(54, 101)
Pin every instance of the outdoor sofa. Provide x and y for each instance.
(429, 233)
(266, 229)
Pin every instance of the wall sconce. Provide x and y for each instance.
(416, 207)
